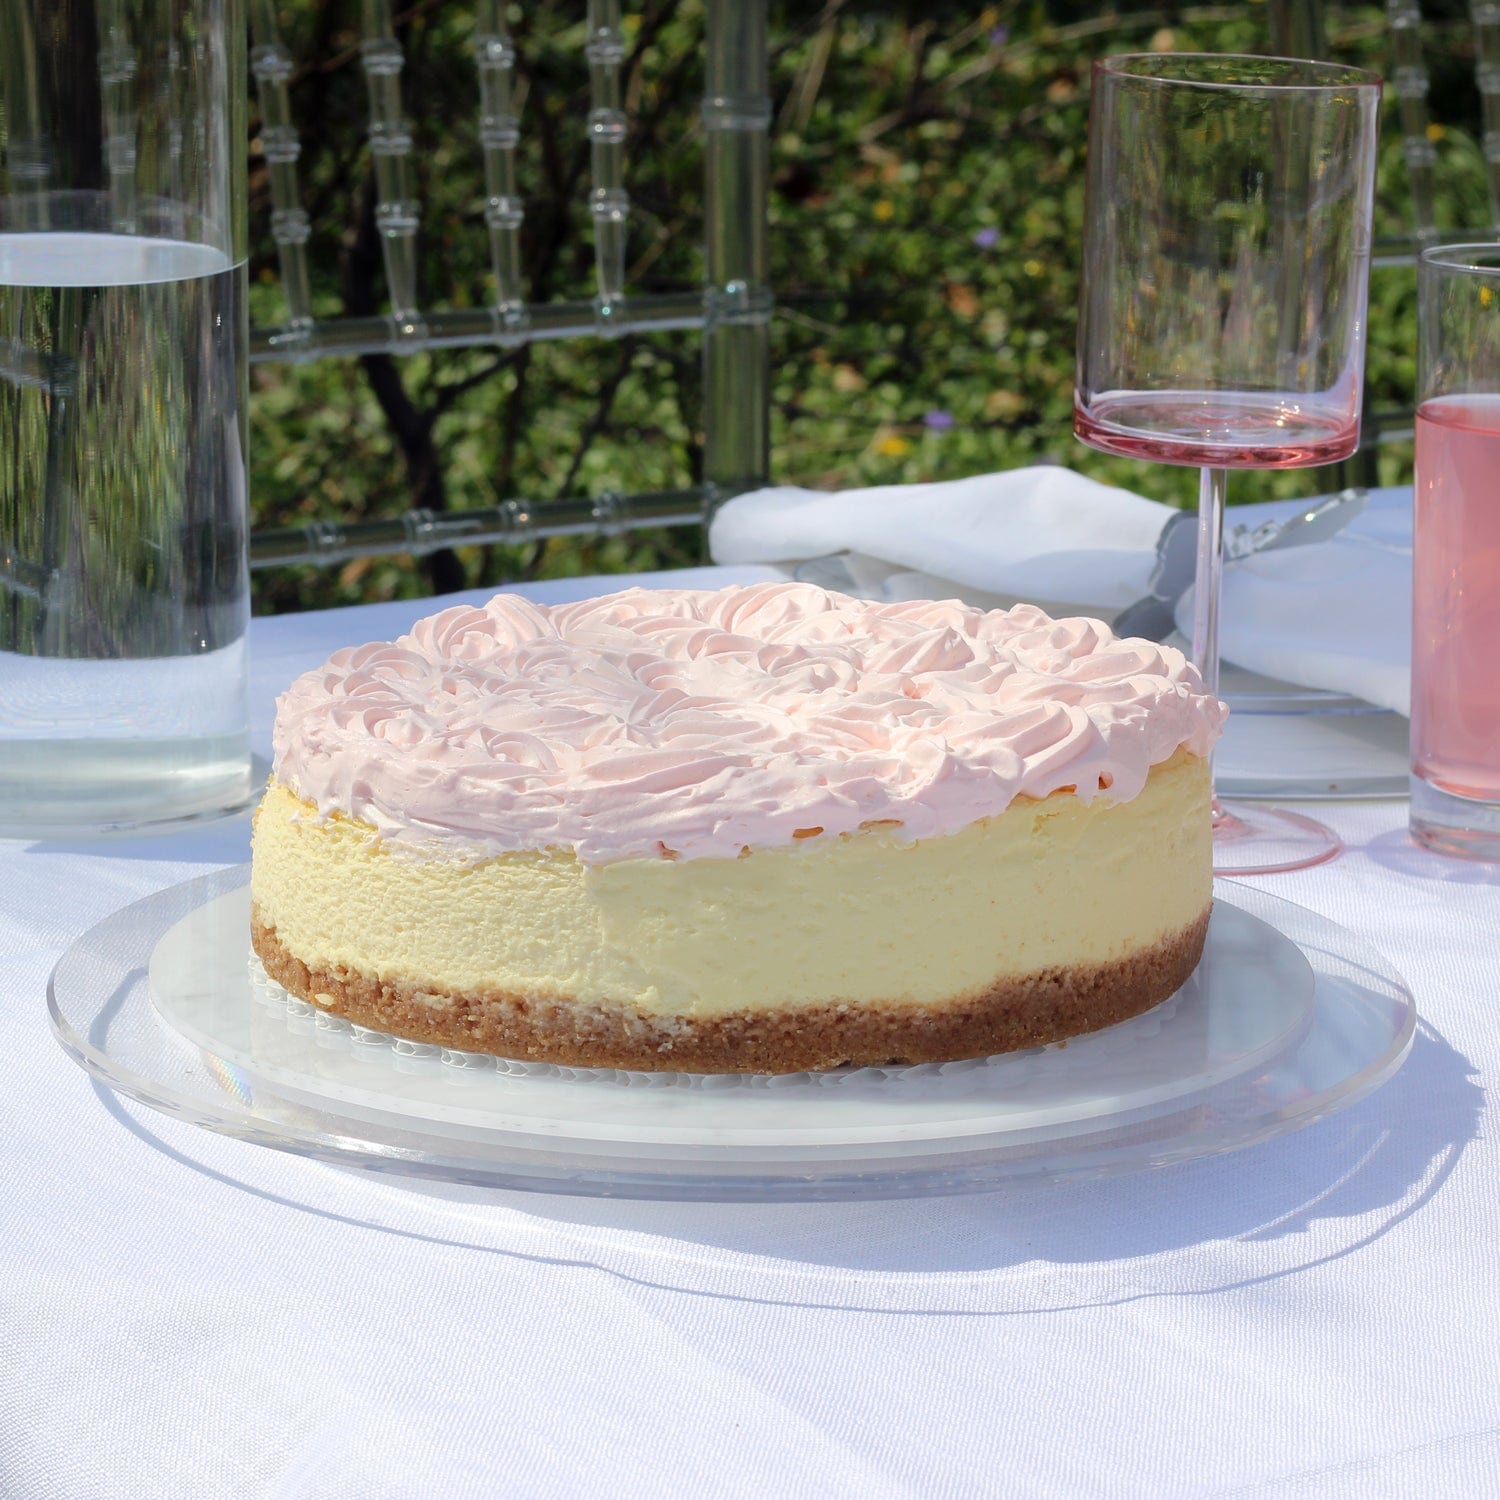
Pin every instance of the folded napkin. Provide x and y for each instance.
(1038, 533)
(1335, 614)
(1332, 615)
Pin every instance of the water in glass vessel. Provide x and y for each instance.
(123, 597)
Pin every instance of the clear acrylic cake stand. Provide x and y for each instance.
(1287, 1019)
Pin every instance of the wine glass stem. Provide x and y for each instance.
(1210, 562)
(1208, 570)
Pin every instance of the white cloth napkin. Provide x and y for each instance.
(1336, 614)
(1332, 615)
(1037, 533)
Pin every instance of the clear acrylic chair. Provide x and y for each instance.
(1310, 28)
(733, 308)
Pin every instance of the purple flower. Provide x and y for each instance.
(999, 36)
(987, 238)
(938, 421)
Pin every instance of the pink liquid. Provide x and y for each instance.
(1455, 647)
(1220, 429)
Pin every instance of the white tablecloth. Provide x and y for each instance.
(189, 1316)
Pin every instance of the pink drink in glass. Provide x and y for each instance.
(1221, 429)
(1455, 709)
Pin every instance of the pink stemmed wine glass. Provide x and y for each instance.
(1225, 269)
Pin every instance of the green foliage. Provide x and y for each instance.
(927, 201)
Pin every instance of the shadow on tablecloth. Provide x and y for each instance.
(217, 841)
(1398, 852)
(1212, 1226)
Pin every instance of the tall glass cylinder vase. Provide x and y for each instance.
(123, 576)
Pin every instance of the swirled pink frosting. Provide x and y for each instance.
(696, 723)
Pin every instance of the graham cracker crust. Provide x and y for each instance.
(1029, 1011)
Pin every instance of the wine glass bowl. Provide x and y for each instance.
(1222, 319)
(1226, 259)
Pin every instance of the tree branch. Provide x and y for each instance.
(600, 418)
(411, 426)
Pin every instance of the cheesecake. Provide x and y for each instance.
(761, 829)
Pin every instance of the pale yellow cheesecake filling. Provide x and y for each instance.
(867, 919)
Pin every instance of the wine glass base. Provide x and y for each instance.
(1250, 839)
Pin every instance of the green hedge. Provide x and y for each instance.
(927, 201)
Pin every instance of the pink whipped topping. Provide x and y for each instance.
(695, 723)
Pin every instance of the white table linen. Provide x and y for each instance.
(190, 1316)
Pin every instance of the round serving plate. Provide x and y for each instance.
(1287, 1019)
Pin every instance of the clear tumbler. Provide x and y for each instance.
(1455, 647)
(123, 569)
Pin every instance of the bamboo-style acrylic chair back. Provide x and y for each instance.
(1301, 28)
(1411, 80)
(733, 308)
